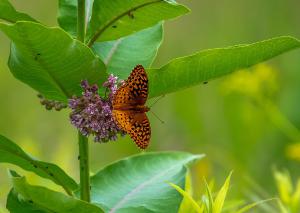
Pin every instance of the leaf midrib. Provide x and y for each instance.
(42, 65)
(102, 29)
(139, 187)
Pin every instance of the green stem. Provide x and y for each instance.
(82, 140)
(81, 25)
(84, 168)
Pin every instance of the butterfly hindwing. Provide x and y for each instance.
(136, 125)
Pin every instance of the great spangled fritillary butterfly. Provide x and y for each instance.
(129, 110)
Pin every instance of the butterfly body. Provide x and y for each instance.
(129, 110)
(137, 108)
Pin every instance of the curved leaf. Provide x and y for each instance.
(8, 13)
(67, 14)
(220, 198)
(50, 61)
(206, 65)
(194, 206)
(122, 55)
(115, 19)
(139, 183)
(12, 153)
(50, 201)
(15, 204)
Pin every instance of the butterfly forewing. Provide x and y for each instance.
(134, 91)
(129, 110)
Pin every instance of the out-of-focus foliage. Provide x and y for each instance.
(289, 193)
(212, 202)
(258, 83)
(293, 151)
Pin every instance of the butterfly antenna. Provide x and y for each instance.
(156, 100)
(157, 117)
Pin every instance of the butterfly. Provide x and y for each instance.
(129, 110)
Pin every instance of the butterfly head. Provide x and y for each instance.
(142, 108)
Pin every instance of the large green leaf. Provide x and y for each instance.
(115, 19)
(12, 153)
(139, 183)
(67, 15)
(47, 200)
(122, 55)
(9, 14)
(15, 204)
(50, 61)
(206, 65)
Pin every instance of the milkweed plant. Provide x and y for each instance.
(78, 66)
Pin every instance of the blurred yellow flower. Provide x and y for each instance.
(293, 151)
(257, 82)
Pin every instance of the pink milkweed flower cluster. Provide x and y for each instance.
(92, 114)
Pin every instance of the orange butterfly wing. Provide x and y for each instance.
(129, 96)
(134, 91)
(136, 125)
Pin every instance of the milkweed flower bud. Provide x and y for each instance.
(92, 114)
(50, 104)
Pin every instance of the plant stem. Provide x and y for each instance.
(82, 140)
(84, 167)
(81, 25)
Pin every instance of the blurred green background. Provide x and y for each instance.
(233, 130)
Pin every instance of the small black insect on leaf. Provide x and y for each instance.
(130, 14)
(37, 56)
(114, 26)
(51, 174)
(205, 82)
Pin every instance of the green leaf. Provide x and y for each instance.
(115, 19)
(15, 204)
(195, 207)
(12, 153)
(206, 65)
(186, 202)
(67, 16)
(51, 201)
(9, 14)
(138, 183)
(220, 198)
(50, 61)
(252, 205)
(210, 202)
(122, 55)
